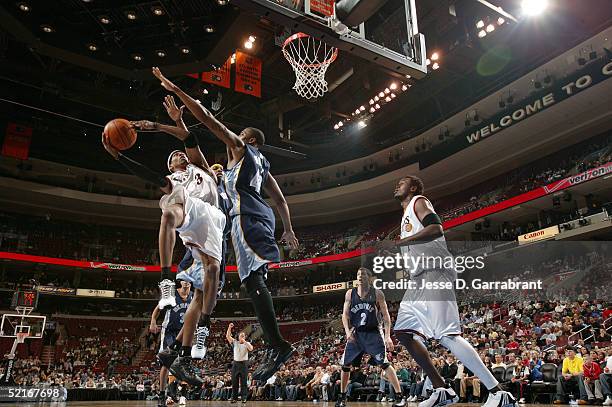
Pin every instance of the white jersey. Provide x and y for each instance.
(197, 183)
(433, 253)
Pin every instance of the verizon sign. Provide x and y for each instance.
(538, 235)
(328, 287)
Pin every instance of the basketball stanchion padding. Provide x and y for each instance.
(309, 59)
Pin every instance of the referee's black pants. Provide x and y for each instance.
(239, 369)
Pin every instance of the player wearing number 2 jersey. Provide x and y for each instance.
(364, 333)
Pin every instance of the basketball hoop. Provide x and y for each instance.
(309, 59)
(21, 336)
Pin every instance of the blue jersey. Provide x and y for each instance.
(243, 184)
(363, 311)
(174, 318)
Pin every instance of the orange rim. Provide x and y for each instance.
(297, 36)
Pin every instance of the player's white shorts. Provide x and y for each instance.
(202, 228)
(432, 313)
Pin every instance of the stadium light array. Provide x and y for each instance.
(534, 7)
(375, 103)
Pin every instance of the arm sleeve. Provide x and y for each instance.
(143, 172)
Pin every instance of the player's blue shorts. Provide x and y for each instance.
(254, 243)
(365, 342)
(194, 274)
(167, 338)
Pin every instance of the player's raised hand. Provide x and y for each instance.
(153, 328)
(175, 112)
(109, 148)
(144, 124)
(165, 82)
(289, 238)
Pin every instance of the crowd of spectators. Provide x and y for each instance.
(60, 238)
(520, 337)
(573, 160)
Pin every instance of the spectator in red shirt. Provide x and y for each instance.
(513, 344)
(592, 370)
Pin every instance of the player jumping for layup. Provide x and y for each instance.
(363, 333)
(252, 221)
(426, 313)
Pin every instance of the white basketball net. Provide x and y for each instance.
(309, 59)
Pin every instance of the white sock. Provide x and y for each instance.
(470, 358)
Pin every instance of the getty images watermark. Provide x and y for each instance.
(442, 273)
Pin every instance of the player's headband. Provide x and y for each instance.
(170, 158)
(216, 167)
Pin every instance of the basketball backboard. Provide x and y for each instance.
(12, 324)
(388, 36)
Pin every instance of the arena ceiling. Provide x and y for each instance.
(79, 58)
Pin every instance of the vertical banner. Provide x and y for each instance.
(17, 141)
(248, 74)
(220, 77)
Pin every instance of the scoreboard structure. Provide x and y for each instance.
(25, 299)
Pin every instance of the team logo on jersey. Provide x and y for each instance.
(408, 227)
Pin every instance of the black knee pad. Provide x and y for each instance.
(254, 283)
(346, 369)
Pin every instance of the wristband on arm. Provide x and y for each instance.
(191, 141)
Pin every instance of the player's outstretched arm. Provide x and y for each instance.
(431, 221)
(382, 307)
(201, 113)
(274, 192)
(188, 137)
(137, 168)
(228, 333)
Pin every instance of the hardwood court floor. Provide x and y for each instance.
(197, 403)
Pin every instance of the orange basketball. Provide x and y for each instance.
(120, 133)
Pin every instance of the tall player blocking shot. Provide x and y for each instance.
(433, 314)
(247, 176)
(364, 335)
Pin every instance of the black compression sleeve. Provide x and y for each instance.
(191, 141)
(431, 219)
(142, 172)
